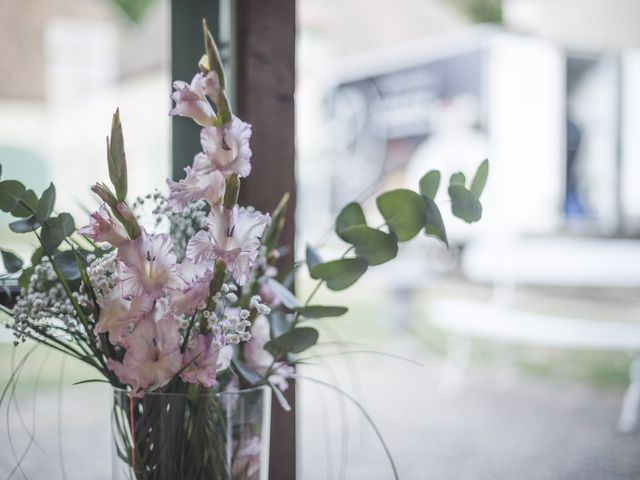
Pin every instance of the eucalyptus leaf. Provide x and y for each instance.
(340, 274)
(294, 341)
(480, 179)
(434, 225)
(68, 265)
(11, 192)
(55, 230)
(375, 246)
(312, 257)
(321, 311)
(464, 204)
(46, 203)
(288, 299)
(249, 375)
(25, 225)
(457, 178)
(279, 322)
(404, 212)
(36, 256)
(350, 216)
(430, 183)
(25, 277)
(12, 263)
(31, 200)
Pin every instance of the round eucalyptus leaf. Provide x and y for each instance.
(312, 257)
(429, 184)
(46, 203)
(464, 204)
(434, 225)
(25, 225)
(55, 230)
(294, 341)
(404, 212)
(340, 274)
(480, 179)
(27, 206)
(350, 216)
(375, 246)
(284, 294)
(11, 192)
(12, 263)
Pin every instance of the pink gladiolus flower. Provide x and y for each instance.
(246, 462)
(233, 237)
(205, 358)
(191, 100)
(226, 149)
(147, 266)
(117, 314)
(153, 354)
(196, 278)
(258, 359)
(104, 228)
(194, 187)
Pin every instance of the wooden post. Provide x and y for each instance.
(186, 49)
(265, 81)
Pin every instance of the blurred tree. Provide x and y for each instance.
(480, 10)
(134, 9)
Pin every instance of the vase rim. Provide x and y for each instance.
(241, 391)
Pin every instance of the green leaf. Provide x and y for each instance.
(46, 203)
(11, 192)
(284, 294)
(457, 179)
(36, 256)
(31, 199)
(375, 246)
(12, 263)
(279, 322)
(68, 265)
(480, 179)
(350, 216)
(25, 277)
(272, 234)
(430, 183)
(404, 212)
(116, 158)
(250, 375)
(55, 230)
(434, 225)
(464, 204)
(294, 341)
(340, 274)
(25, 225)
(321, 311)
(312, 256)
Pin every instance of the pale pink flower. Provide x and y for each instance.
(246, 462)
(204, 357)
(233, 237)
(104, 228)
(258, 359)
(194, 187)
(225, 149)
(196, 278)
(118, 314)
(147, 266)
(191, 100)
(153, 354)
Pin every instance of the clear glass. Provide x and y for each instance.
(191, 436)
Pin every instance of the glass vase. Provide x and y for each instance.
(191, 435)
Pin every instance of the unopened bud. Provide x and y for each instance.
(105, 194)
(125, 215)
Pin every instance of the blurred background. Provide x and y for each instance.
(526, 330)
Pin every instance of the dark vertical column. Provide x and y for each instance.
(186, 49)
(265, 82)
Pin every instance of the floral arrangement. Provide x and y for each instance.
(194, 306)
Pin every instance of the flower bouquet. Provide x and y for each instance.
(189, 318)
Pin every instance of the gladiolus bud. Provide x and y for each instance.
(105, 194)
(125, 215)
